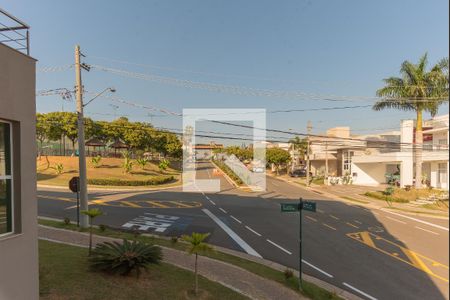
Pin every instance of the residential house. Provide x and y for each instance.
(19, 272)
(205, 151)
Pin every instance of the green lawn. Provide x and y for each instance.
(64, 274)
(310, 290)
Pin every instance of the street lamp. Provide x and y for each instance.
(81, 149)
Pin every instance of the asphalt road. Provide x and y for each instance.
(374, 254)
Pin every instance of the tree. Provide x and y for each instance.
(42, 129)
(70, 127)
(197, 246)
(92, 214)
(299, 145)
(278, 157)
(417, 90)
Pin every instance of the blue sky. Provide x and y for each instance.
(341, 48)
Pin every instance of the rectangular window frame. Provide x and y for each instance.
(11, 178)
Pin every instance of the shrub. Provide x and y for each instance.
(142, 162)
(228, 171)
(174, 239)
(288, 274)
(127, 163)
(59, 168)
(389, 191)
(102, 227)
(163, 165)
(66, 221)
(95, 161)
(120, 182)
(123, 258)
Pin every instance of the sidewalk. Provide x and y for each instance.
(235, 278)
(355, 193)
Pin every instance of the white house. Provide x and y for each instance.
(371, 166)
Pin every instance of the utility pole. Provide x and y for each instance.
(326, 160)
(308, 168)
(81, 150)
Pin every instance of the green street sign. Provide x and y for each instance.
(289, 207)
(309, 206)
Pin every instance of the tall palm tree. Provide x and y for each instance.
(300, 145)
(417, 90)
(197, 246)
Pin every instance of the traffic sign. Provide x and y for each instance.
(289, 207)
(74, 185)
(309, 206)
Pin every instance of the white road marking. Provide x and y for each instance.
(279, 247)
(246, 247)
(321, 211)
(252, 231)
(359, 291)
(417, 220)
(317, 268)
(212, 202)
(426, 230)
(237, 220)
(207, 197)
(223, 210)
(393, 219)
(334, 217)
(358, 222)
(311, 218)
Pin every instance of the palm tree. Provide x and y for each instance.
(92, 214)
(300, 145)
(417, 90)
(197, 246)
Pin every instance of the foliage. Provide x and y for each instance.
(59, 168)
(66, 221)
(123, 258)
(388, 191)
(278, 157)
(163, 165)
(300, 145)
(95, 161)
(417, 90)
(174, 239)
(92, 214)
(229, 172)
(155, 180)
(102, 227)
(127, 163)
(241, 153)
(197, 246)
(288, 273)
(142, 162)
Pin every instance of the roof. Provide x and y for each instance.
(118, 144)
(207, 146)
(95, 143)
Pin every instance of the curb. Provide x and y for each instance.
(98, 189)
(268, 263)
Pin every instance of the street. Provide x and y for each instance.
(374, 254)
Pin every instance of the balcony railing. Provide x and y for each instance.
(14, 32)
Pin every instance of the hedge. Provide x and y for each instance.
(228, 171)
(120, 182)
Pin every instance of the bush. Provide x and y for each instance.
(120, 182)
(102, 227)
(389, 191)
(66, 221)
(174, 239)
(123, 258)
(288, 274)
(228, 171)
(59, 168)
(95, 161)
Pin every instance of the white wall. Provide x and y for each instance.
(369, 173)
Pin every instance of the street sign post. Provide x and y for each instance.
(74, 186)
(294, 207)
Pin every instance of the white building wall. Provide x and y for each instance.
(368, 173)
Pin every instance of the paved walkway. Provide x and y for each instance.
(228, 275)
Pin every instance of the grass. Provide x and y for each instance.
(64, 274)
(311, 290)
(109, 168)
(404, 196)
(354, 200)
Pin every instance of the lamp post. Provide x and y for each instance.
(81, 150)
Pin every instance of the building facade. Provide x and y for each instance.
(19, 272)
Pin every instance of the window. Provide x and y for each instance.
(6, 224)
(443, 178)
(347, 162)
